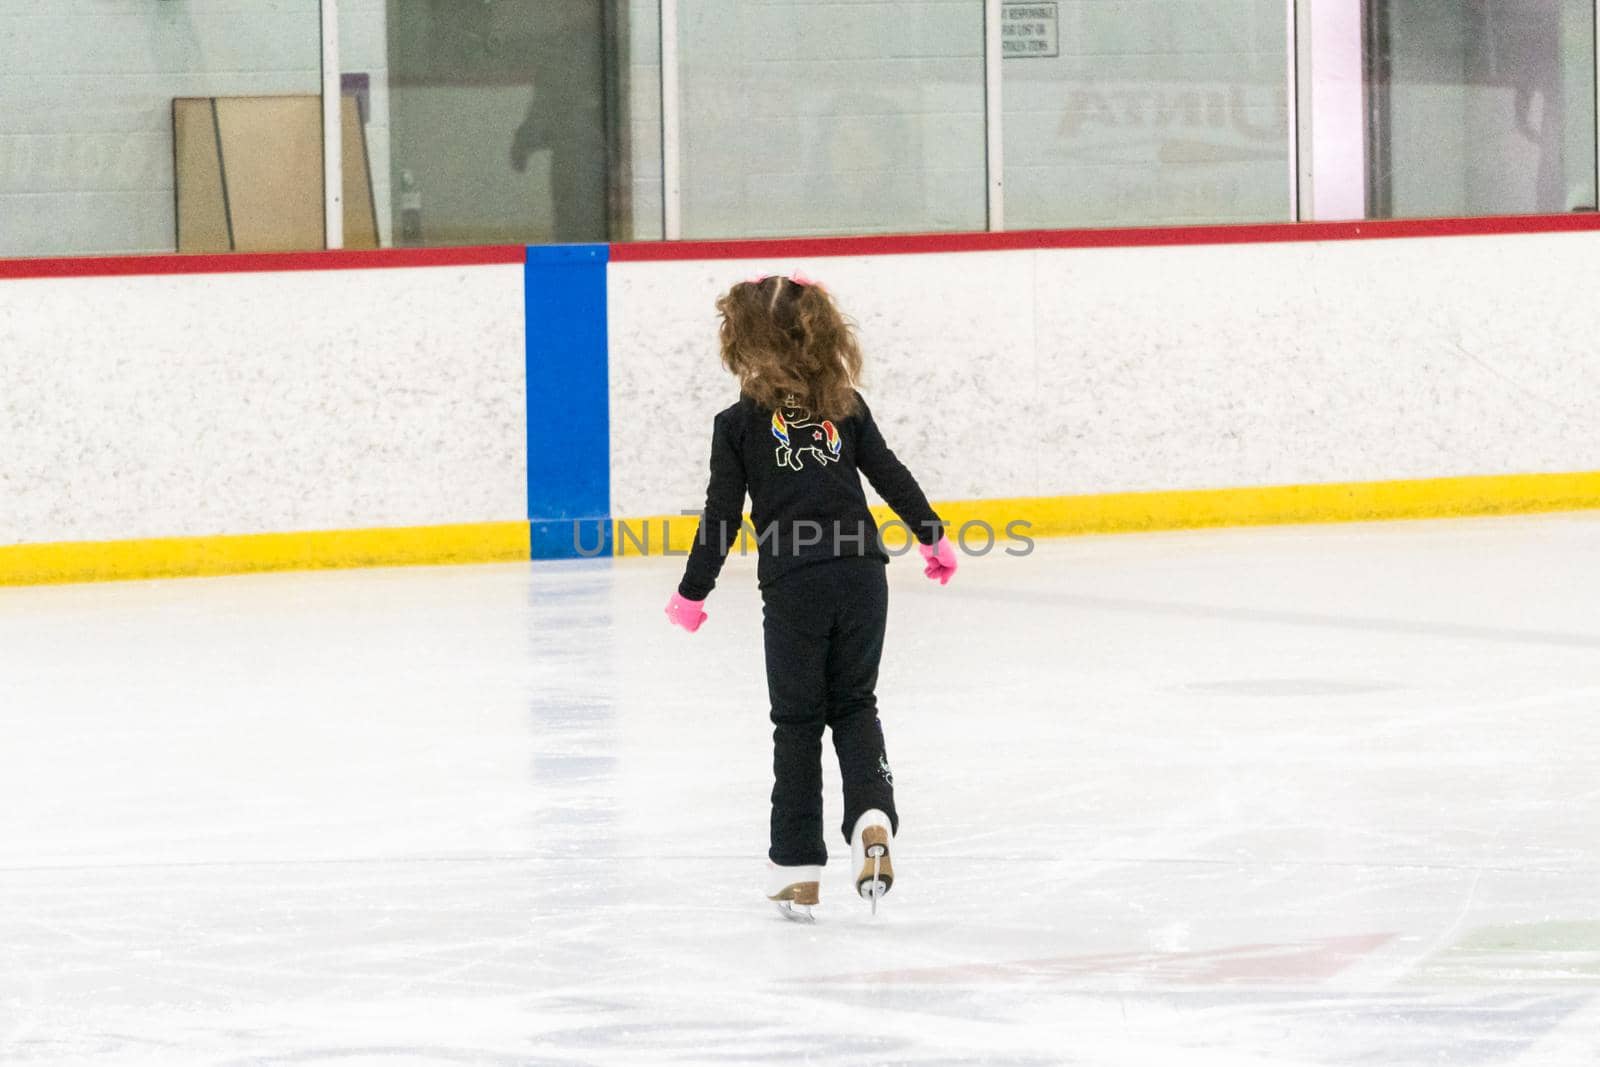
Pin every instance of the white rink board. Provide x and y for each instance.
(1067, 371)
(261, 402)
(1284, 364)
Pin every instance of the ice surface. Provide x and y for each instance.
(1324, 795)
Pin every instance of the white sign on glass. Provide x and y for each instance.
(1029, 31)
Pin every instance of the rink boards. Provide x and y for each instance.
(199, 415)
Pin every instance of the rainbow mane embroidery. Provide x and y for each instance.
(780, 429)
(833, 437)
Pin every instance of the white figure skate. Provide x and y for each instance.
(795, 890)
(869, 856)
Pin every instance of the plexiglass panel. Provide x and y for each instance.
(638, 189)
(1145, 112)
(497, 121)
(87, 110)
(1481, 107)
(831, 118)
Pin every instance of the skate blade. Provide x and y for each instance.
(795, 913)
(877, 874)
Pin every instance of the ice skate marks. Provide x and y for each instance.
(1288, 963)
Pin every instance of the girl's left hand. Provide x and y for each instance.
(941, 560)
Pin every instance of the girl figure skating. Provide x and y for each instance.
(796, 440)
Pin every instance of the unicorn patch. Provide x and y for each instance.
(797, 434)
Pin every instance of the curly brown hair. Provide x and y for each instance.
(789, 346)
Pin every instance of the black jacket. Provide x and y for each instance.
(805, 491)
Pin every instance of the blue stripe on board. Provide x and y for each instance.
(569, 401)
(570, 538)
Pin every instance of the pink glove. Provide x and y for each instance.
(681, 611)
(941, 560)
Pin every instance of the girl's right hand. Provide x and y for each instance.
(681, 611)
(941, 560)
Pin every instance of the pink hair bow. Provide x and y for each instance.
(798, 277)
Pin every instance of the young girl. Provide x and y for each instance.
(795, 441)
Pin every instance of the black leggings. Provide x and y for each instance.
(824, 636)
